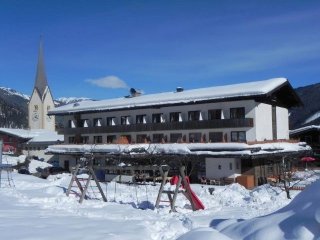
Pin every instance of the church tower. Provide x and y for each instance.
(41, 100)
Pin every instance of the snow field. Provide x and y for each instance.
(39, 209)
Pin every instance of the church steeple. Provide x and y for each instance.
(41, 100)
(41, 78)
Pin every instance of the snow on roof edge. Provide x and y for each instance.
(193, 95)
(218, 149)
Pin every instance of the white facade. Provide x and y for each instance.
(260, 113)
(38, 111)
(282, 123)
(217, 168)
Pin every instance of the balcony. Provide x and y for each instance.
(151, 127)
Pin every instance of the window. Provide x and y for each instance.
(36, 107)
(125, 139)
(194, 116)
(141, 119)
(238, 136)
(71, 124)
(158, 138)
(194, 137)
(230, 166)
(97, 139)
(97, 122)
(111, 121)
(125, 120)
(175, 117)
(214, 114)
(84, 123)
(176, 137)
(157, 118)
(236, 113)
(84, 139)
(71, 139)
(141, 138)
(215, 136)
(111, 138)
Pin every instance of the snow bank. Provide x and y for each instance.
(298, 220)
(35, 164)
(13, 160)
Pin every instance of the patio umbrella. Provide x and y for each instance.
(307, 159)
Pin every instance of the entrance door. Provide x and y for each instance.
(66, 165)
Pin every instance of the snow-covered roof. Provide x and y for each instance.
(304, 129)
(212, 149)
(35, 135)
(249, 89)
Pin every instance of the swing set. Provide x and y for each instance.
(181, 181)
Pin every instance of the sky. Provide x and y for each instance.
(101, 49)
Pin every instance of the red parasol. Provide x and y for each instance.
(307, 159)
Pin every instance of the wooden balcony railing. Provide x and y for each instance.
(151, 127)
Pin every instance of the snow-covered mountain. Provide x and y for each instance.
(14, 107)
(67, 100)
(10, 91)
(309, 114)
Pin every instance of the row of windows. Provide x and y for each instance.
(35, 148)
(235, 113)
(196, 137)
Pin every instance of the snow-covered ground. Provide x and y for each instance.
(39, 209)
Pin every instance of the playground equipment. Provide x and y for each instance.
(84, 182)
(179, 181)
(6, 178)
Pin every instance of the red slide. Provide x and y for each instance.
(196, 201)
(194, 198)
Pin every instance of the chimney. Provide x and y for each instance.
(179, 89)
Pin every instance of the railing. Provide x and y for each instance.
(150, 127)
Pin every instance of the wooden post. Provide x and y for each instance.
(85, 188)
(74, 176)
(187, 186)
(176, 191)
(98, 184)
(164, 175)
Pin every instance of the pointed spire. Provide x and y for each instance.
(41, 78)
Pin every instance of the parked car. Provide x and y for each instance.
(24, 171)
(52, 171)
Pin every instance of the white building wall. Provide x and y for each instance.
(35, 115)
(48, 104)
(217, 168)
(263, 122)
(282, 123)
(224, 106)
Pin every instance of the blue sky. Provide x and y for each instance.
(100, 49)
